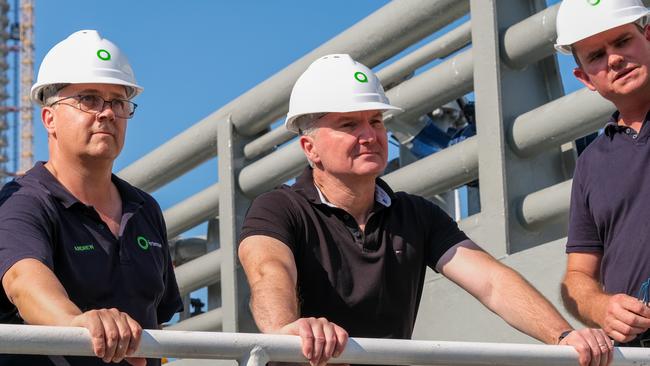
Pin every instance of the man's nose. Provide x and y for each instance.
(615, 60)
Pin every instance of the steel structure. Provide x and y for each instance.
(522, 156)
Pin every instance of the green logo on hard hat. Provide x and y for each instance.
(361, 77)
(143, 242)
(103, 55)
(593, 2)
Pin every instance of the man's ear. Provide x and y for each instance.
(646, 32)
(47, 117)
(307, 146)
(581, 75)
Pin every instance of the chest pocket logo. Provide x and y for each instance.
(145, 243)
(84, 247)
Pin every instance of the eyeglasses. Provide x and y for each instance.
(94, 104)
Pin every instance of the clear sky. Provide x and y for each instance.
(192, 57)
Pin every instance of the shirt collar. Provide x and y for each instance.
(129, 194)
(380, 197)
(612, 127)
(305, 186)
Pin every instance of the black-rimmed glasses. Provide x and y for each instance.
(92, 103)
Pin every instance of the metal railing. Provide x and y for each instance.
(258, 349)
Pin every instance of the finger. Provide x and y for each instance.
(111, 334)
(93, 323)
(306, 338)
(633, 312)
(124, 331)
(625, 329)
(330, 341)
(136, 361)
(341, 340)
(606, 346)
(620, 337)
(577, 341)
(319, 341)
(136, 335)
(593, 346)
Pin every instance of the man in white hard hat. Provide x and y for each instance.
(78, 245)
(608, 268)
(339, 253)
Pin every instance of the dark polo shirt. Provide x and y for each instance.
(369, 282)
(40, 219)
(610, 206)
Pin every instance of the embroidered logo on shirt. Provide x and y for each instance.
(144, 243)
(84, 247)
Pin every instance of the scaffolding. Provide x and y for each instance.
(26, 81)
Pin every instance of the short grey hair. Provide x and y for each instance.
(306, 123)
(50, 93)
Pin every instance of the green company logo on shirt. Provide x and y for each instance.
(145, 243)
(84, 247)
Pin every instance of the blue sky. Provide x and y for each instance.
(193, 57)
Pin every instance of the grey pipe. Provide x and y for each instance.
(386, 32)
(200, 272)
(546, 205)
(210, 321)
(192, 211)
(562, 120)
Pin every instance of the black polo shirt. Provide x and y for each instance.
(610, 206)
(41, 219)
(369, 282)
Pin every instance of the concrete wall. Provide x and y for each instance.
(448, 313)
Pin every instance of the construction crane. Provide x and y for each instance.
(26, 81)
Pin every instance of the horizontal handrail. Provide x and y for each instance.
(47, 340)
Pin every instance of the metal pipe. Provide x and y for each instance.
(48, 340)
(437, 173)
(548, 204)
(562, 120)
(192, 211)
(268, 141)
(211, 321)
(272, 170)
(440, 47)
(447, 81)
(200, 272)
(386, 32)
(520, 48)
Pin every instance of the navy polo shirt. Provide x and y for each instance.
(367, 281)
(610, 206)
(41, 219)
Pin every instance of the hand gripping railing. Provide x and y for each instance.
(257, 349)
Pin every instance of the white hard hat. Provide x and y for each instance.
(335, 83)
(85, 57)
(580, 19)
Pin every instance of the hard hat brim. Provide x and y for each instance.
(290, 125)
(133, 89)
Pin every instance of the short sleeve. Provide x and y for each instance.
(443, 232)
(25, 232)
(272, 214)
(583, 232)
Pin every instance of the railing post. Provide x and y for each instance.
(232, 208)
(502, 94)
